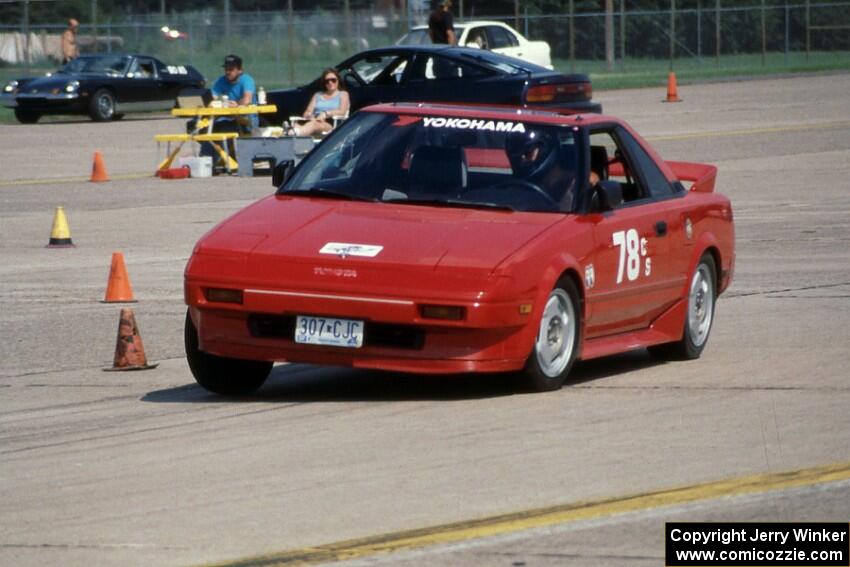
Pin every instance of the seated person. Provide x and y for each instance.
(536, 160)
(331, 101)
(241, 90)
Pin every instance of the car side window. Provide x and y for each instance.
(437, 67)
(610, 160)
(379, 69)
(392, 73)
(658, 185)
(500, 37)
(477, 38)
(142, 69)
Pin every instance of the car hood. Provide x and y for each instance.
(279, 241)
(42, 84)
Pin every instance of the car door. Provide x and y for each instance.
(171, 80)
(376, 78)
(634, 279)
(503, 41)
(143, 86)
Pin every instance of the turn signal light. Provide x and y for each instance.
(548, 93)
(446, 312)
(224, 295)
(542, 93)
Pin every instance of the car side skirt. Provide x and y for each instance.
(147, 106)
(667, 328)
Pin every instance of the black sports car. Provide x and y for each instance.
(102, 86)
(434, 73)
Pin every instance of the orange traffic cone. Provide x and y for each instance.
(60, 234)
(118, 288)
(98, 170)
(129, 350)
(672, 91)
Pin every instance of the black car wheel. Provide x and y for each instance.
(102, 105)
(26, 116)
(221, 375)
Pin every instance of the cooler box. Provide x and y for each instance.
(258, 156)
(199, 166)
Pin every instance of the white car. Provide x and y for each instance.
(491, 35)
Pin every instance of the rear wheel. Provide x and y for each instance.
(556, 345)
(702, 294)
(219, 374)
(26, 116)
(102, 105)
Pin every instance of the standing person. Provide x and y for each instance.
(441, 27)
(331, 101)
(70, 50)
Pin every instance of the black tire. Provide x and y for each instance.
(560, 321)
(702, 298)
(102, 105)
(26, 116)
(221, 375)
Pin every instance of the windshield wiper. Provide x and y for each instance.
(329, 193)
(452, 203)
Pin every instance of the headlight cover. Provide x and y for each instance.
(11, 87)
(73, 86)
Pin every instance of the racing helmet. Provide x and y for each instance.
(530, 153)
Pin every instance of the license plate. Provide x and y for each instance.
(328, 331)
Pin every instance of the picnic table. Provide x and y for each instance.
(203, 131)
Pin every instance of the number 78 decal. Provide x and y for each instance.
(632, 252)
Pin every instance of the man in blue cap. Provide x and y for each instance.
(239, 88)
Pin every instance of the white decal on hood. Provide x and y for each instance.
(343, 249)
(474, 124)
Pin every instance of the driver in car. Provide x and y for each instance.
(536, 161)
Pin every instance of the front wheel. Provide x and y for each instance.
(702, 293)
(556, 345)
(219, 374)
(26, 116)
(102, 105)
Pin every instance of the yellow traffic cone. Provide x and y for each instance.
(60, 235)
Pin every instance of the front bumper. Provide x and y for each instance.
(493, 337)
(8, 100)
(49, 103)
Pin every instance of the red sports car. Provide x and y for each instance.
(447, 239)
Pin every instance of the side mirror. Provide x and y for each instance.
(282, 172)
(610, 194)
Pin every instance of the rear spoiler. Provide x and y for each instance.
(702, 175)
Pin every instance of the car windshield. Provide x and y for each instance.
(445, 161)
(420, 36)
(111, 65)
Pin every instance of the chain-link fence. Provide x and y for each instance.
(281, 50)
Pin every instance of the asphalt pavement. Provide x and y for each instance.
(146, 468)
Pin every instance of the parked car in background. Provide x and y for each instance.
(495, 36)
(439, 73)
(105, 87)
(446, 239)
